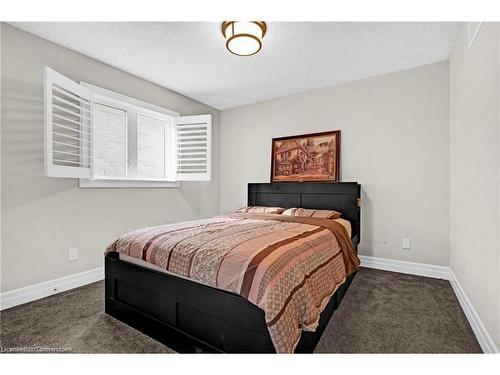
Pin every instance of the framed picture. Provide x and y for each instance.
(308, 157)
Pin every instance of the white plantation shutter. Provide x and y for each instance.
(68, 127)
(194, 148)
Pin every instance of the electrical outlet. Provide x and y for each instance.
(405, 243)
(72, 253)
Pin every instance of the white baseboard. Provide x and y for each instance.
(48, 288)
(412, 268)
(440, 272)
(484, 338)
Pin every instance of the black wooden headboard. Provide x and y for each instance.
(339, 196)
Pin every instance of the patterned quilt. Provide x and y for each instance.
(288, 266)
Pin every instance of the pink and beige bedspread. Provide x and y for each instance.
(287, 266)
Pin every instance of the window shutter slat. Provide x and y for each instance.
(68, 127)
(194, 148)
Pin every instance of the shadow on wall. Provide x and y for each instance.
(22, 146)
(365, 247)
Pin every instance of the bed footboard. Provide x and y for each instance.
(189, 317)
(184, 315)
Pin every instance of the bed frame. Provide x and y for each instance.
(190, 317)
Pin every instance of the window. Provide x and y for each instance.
(152, 143)
(110, 140)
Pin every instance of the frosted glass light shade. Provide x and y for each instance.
(244, 38)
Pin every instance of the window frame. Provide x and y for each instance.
(107, 97)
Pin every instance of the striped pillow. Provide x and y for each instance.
(304, 212)
(261, 210)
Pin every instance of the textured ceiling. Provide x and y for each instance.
(190, 57)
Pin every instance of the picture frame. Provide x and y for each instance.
(306, 157)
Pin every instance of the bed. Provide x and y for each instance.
(191, 316)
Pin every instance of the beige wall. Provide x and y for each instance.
(474, 171)
(42, 217)
(394, 142)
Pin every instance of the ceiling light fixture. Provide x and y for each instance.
(244, 38)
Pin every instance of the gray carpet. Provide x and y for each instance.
(383, 312)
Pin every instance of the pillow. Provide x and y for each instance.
(304, 212)
(261, 210)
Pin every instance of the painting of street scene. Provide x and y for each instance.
(311, 157)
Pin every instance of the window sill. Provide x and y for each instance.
(99, 184)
